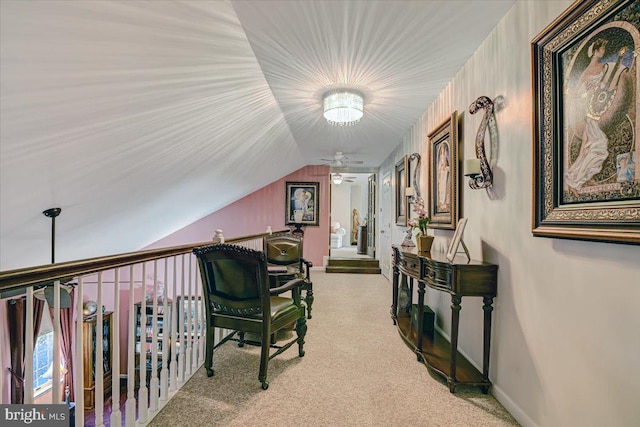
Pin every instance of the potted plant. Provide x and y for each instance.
(421, 222)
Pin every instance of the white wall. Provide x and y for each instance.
(566, 346)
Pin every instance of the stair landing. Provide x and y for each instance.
(353, 266)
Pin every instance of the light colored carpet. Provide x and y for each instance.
(357, 371)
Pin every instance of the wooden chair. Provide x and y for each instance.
(284, 256)
(238, 297)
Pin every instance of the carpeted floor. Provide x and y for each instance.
(357, 371)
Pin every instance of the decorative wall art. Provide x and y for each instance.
(302, 203)
(443, 179)
(479, 169)
(402, 207)
(585, 82)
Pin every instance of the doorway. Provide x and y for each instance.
(349, 212)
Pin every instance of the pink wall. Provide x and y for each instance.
(264, 207)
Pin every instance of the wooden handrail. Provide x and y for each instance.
(46, 273)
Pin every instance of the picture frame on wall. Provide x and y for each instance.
(443, 177)
(586, 181)
(402, 207)
(302, 202)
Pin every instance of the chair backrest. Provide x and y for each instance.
(283, 250)
(234, 279)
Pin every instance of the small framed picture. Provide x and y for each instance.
(302, 203)
(455, 242)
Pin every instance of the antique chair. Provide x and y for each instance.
(284, 256)
(237, 296)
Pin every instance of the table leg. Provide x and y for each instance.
(455, 321)
(488, 308)
(394, 298)
(420, 326)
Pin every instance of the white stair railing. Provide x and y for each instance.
(177, 332)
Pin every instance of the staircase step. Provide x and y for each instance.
(353, 262)
(353, 270)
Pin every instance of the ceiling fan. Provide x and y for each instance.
(338, 178)
(341, 160)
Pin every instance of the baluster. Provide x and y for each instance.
(197, 329)
(203, 322)
(143, 392)
(56, 343)
(189, 330)
(131, 365)
(99, 368)
(116, 415)
(28, 348)
(154, 384)
(78, 372)
(181, 326)
(173, 368)
(164, 377)
(194, 317)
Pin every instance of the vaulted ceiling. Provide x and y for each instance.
(138, 118)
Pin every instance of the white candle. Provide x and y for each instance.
(472, 167)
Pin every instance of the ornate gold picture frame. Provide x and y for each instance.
(443, 178)
(585, 86)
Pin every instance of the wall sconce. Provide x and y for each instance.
(409, 192)
(413, 190)
(478, 169)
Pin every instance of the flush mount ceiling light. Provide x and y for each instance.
(343, 107)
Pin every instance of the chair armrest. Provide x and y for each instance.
(290, 285)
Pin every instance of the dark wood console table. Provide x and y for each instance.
(460, 279)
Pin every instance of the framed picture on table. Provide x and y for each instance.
(586, 182)
(456, 240)
(302, 203)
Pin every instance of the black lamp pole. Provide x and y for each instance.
(53, 213)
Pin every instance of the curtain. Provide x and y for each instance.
(16, 319)
(66, 346)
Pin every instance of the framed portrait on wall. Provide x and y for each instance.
(586, 80)
(402, 206)
(443, 177)
(302, 203)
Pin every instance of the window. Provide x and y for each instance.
(43, 355)
(42, 361)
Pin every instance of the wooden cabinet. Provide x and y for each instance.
(91, 335)
(461, 278)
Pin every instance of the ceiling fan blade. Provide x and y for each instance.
(355, 162)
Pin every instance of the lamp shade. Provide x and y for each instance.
(343, 107)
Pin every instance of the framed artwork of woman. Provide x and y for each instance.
(586, 121)
(443, 195)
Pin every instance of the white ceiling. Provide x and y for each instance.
(138, 118)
